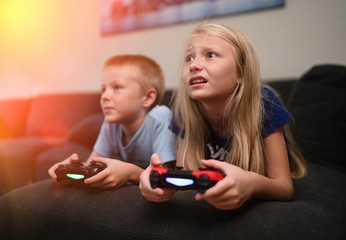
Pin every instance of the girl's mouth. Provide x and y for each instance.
(197, 80)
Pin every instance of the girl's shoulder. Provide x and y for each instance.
(275, 113)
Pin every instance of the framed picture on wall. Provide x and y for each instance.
(128, 15)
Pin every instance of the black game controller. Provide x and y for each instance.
(183, 179)
(77, 171)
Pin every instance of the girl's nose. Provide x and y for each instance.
(195, 65)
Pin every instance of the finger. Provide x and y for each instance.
(215, 192)
(96, 178)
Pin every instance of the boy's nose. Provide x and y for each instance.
(105, 95)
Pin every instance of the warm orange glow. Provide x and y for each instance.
(23, 36)
(18, 18)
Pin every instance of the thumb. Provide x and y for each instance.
(74, 158)
(215, 164)
(101, 160)
(155, 160)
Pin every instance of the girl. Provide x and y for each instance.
(225, 115)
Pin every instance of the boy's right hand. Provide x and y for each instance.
(151, 194)
(71, 159)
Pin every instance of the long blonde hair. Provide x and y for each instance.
(242, 120)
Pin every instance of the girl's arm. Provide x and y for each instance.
(278, 184)
(239, 185)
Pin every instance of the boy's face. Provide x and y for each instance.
(122, 98)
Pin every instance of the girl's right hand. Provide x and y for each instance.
(154, 194)
(71, 159)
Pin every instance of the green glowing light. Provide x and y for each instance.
(75, 176)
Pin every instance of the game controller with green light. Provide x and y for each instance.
(77, 171)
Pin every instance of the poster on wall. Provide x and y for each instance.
(128, 15)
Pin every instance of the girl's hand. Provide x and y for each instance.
(71, 159)
(115, 175)
(232, 191)
(156, 194)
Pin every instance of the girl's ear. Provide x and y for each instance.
(150, 97)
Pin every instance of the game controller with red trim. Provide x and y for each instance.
(178, 179)
(77, 171)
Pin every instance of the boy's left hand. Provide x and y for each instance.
(115, 175)
(232, 191)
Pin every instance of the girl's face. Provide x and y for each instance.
(121, 98)
(209, 70)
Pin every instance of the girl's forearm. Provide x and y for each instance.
(265, 188)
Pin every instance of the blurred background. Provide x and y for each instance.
(57, 45)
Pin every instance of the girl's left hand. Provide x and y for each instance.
(232, 191)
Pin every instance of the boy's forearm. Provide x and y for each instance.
(135, 173)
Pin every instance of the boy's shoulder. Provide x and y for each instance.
(160, 112)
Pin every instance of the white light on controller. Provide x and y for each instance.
(180, 182)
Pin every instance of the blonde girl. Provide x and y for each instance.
(225, 115)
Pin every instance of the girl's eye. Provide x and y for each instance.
(189, 58)
(211, 55)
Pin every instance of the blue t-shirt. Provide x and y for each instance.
(276, 116)
(153, 136)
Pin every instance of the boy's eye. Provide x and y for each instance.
(116, 87)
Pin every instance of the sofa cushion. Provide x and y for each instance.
(317, 103)
(56, 114)
(13, 117)
(47, 210)
(16, 160)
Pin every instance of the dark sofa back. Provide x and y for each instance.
(317, 103)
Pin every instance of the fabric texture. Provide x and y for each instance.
(80, 212)
(317, 104)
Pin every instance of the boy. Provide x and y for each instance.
(134, 127)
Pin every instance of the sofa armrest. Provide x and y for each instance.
(13, 117)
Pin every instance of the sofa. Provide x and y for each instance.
(31, 126)
(48, 210)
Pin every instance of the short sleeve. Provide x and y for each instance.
(275, 113)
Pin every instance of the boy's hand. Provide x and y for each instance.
(157, 194)
(115, 175)
(71, 159)
(232, 191)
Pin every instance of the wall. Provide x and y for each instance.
(56, 45)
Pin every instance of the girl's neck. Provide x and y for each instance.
(214, 115)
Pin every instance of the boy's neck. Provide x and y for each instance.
(129, 130)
